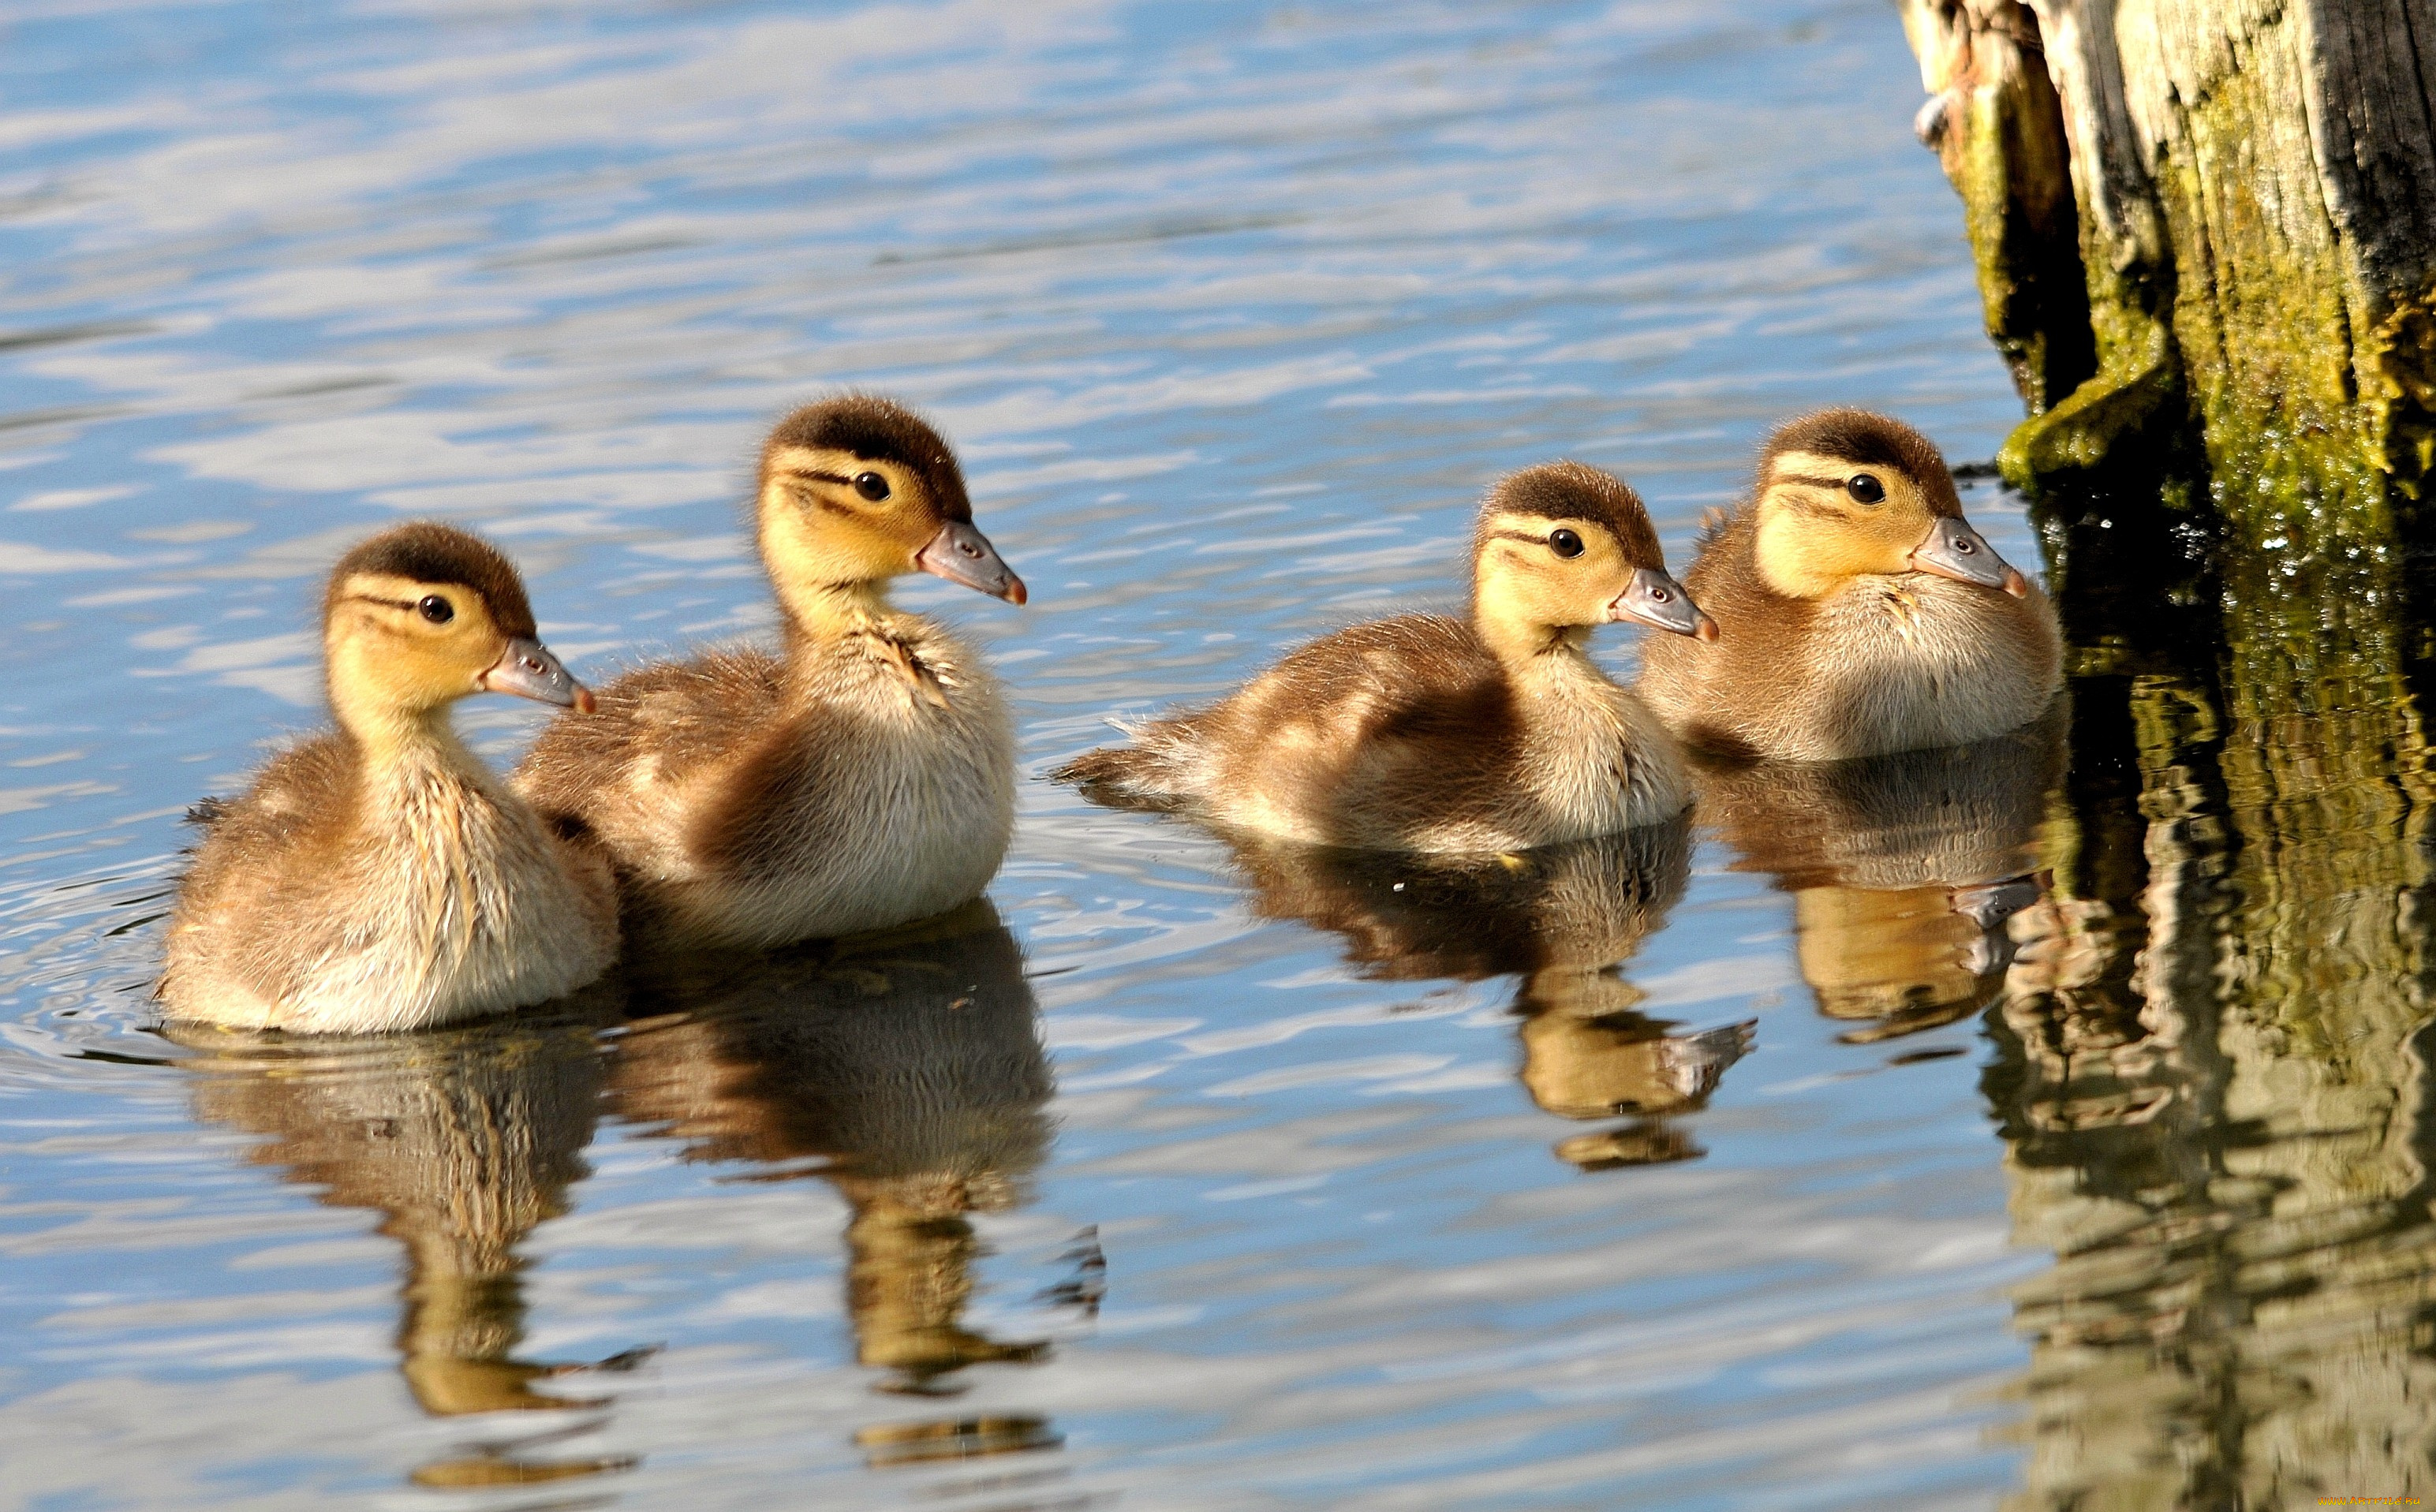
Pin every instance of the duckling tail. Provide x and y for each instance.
(205, 812)
(1712, 524)
(1144, 775)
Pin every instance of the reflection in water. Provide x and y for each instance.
(907, 1072)
(1903, 868)
(2212, 1081)
(465, 1138)
(1561, 918)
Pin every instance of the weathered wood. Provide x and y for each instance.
(2215, 1055)
(2254, 183)
(1995, 121)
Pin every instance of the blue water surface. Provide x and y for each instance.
(1232, 309)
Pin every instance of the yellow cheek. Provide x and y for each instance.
(883, 546)
(1808, 556)
(1864, 548)
(808, 541)
(444, 666)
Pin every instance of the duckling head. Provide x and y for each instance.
(1560, 547)
(858, 490)
(423, 614)
(1845, 492)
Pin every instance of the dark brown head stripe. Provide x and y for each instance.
(427, 551)
(817, 500)
(877, 430)
(1570, 491)
(1800, 504)
(1865, 439)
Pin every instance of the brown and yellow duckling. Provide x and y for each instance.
(381, 877)
(862, 778)
(1425, 733)
(1862, 614)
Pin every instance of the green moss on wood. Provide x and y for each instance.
(2399, 355)
(2009, 165)
(2135, 396)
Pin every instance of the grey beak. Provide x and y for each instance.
(528, 670)
(1953, 549)
(962, 554)
(1655, 599)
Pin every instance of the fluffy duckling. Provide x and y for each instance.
(381, 877)
(1423, 733)
(1863, 614)
(864, 777)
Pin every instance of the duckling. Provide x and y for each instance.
(1863, 614)
(381, 877)
(863, 777)
(1425, 733)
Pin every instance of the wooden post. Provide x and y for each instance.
(2215, 1073)
(2253, 358)
(2253, 188)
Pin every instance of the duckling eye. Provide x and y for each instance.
(436, 609)
(1565, 544)
(871, 486)
(1866, 488)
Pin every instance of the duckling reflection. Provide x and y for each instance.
(1561, 918)
(465, 1138)
(907, 1072)
(1903, 868)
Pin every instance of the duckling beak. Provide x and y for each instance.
(1655, 599)
(528, 670)
(962, 554)
(1953, 549)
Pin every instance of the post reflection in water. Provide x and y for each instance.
(2212, 1080)
(1903, 869)
(464, 1138)
(1561, 918)
(907, 1072)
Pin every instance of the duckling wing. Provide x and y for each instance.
(305, 794)
(624, 771)
(1370, 737)
(261, 860)
(1412, 674)
(1417, 691)
(1351, 740)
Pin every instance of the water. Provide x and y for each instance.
(1176, 1176)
